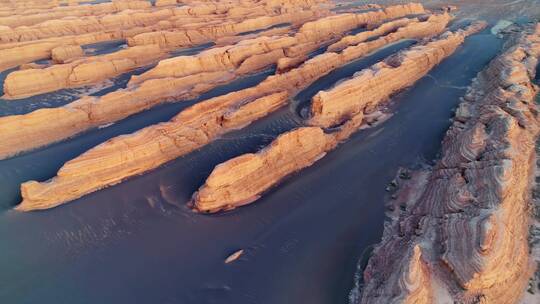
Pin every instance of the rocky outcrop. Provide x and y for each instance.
(194, 34)
(14, 54)
(227, 58)
(140, 96)
(83, 25)
(241, 180)
(383, 29)
(92, 29)
(124, 156)
(464, 223)
(379, 82)
(28, 17)
(190, 129)
(65, 53)
(328, 27)
(86, 71)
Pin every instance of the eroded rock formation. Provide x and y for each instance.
(241, 180)
(122, 157)
(167, 82)
(26, 44)
(383, 79)
(76, 73)
(28, 17)
(464, 224)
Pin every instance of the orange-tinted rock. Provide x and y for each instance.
(78, 73)
(243, 179)
(469, 214)
(65, 53)
(383, 79)
(384, 29)
(30, 17)
(83, 25)
(199, 34)
(208, 61)
(191, 128)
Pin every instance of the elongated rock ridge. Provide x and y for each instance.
(241, 180)
(29, 17)
(25, 44)
(382, 80)
(460, 233)
(129, 155)
(86, 71)
(198, 73)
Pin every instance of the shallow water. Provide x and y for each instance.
(137, 242)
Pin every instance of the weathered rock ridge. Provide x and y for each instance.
(460, 232)
(26, 44)
(86, 71)
(129, 155)
(31, 17)
(334, 106)
(241, 180)
(166, 82)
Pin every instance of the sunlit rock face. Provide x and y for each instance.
(468, 216)
(125, 156)
(24, 44)
(382, 80)
(243, 179)
(183, 77)
(77, 73)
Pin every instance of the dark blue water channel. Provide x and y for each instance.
(137, 242)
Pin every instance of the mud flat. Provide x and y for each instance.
(241, 180)
(459, 230)
(189, 130)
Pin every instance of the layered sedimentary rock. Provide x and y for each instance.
(130, 23)
(76, 73)
(190, 129)
(385, 28)
(241, 180)
(14, 54)
(65, 53)
(383, 79)
(464, 224)
(83, 25)
(194, 34)
(219, 63)
(29, 17)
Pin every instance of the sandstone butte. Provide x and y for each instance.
(194, 127)
(243, 179)
(129, 23)
(94, 69)
(199, 73)
(460, 235)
